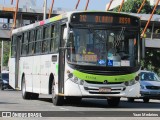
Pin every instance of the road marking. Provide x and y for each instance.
(64, 108)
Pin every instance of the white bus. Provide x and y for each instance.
(77, 55)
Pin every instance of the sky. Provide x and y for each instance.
(67, 4)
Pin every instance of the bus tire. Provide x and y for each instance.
(1, 87)
(25, 95)
(130, 99)
(56, 99)
(34, 96)
(113, 102)
(145, 100)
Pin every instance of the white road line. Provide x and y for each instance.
(64, 108)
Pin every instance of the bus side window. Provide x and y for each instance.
(46, 36)
(13, 46)
(31, 42)
(24, 44)
(38, 41)
(54, 40)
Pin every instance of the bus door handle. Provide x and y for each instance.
(54, 58)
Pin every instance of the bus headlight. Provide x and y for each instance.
(81, 82)
(129, 83)
(137, 78)
(75, 79)
(70, 75)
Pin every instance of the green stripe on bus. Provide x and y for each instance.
(56, 18)
(57, 69)
(101, 78)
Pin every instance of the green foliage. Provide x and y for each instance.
(151, 61)
(158, 72)
(132, 6)
(158, 12)
(6, 50)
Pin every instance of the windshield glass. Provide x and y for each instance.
(149, 76)
(102, 47)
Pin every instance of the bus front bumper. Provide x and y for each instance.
(101, 90)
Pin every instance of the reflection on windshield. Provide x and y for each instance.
(111, 48)
(149, 76)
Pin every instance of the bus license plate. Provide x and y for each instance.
(104, 90)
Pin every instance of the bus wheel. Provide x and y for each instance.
(34, 96)
(1, 87)
(130, 99)
(113, 102)
(145, 100)
(56, 99)
(25, 95)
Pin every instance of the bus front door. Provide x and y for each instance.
(61, 65)
(17, 58)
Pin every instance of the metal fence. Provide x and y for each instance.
(153, 35)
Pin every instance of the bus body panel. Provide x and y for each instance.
(12, 72)
(72, 89)
(37, 71)
(47, 67)
(75, 88)
(36, 74)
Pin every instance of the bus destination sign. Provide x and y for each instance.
(119, 19)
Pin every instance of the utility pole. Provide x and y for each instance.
(44, 9)
(109, 5)
(87, 5)
(50, 11)
(2, 56)
(2, 47)
(120, 8)
(142, 35)
(77, 4)
(139, 10)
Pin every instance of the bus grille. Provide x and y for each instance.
(93, 82)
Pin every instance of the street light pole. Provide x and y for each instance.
(44, 9)
(2, 48)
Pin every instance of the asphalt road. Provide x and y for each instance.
(11, 100)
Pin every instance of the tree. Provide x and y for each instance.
(132, 6)
(6, 50)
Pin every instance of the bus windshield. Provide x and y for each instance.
(103, 47)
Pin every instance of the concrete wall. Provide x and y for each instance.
(154, 43)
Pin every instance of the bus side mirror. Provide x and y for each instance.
(65, 34)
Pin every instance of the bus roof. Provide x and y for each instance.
(56, 18)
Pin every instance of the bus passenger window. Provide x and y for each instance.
(38, 41)
(13, 47)
(54, 39)
(46, 37)
(25, 44)
(31, 42)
